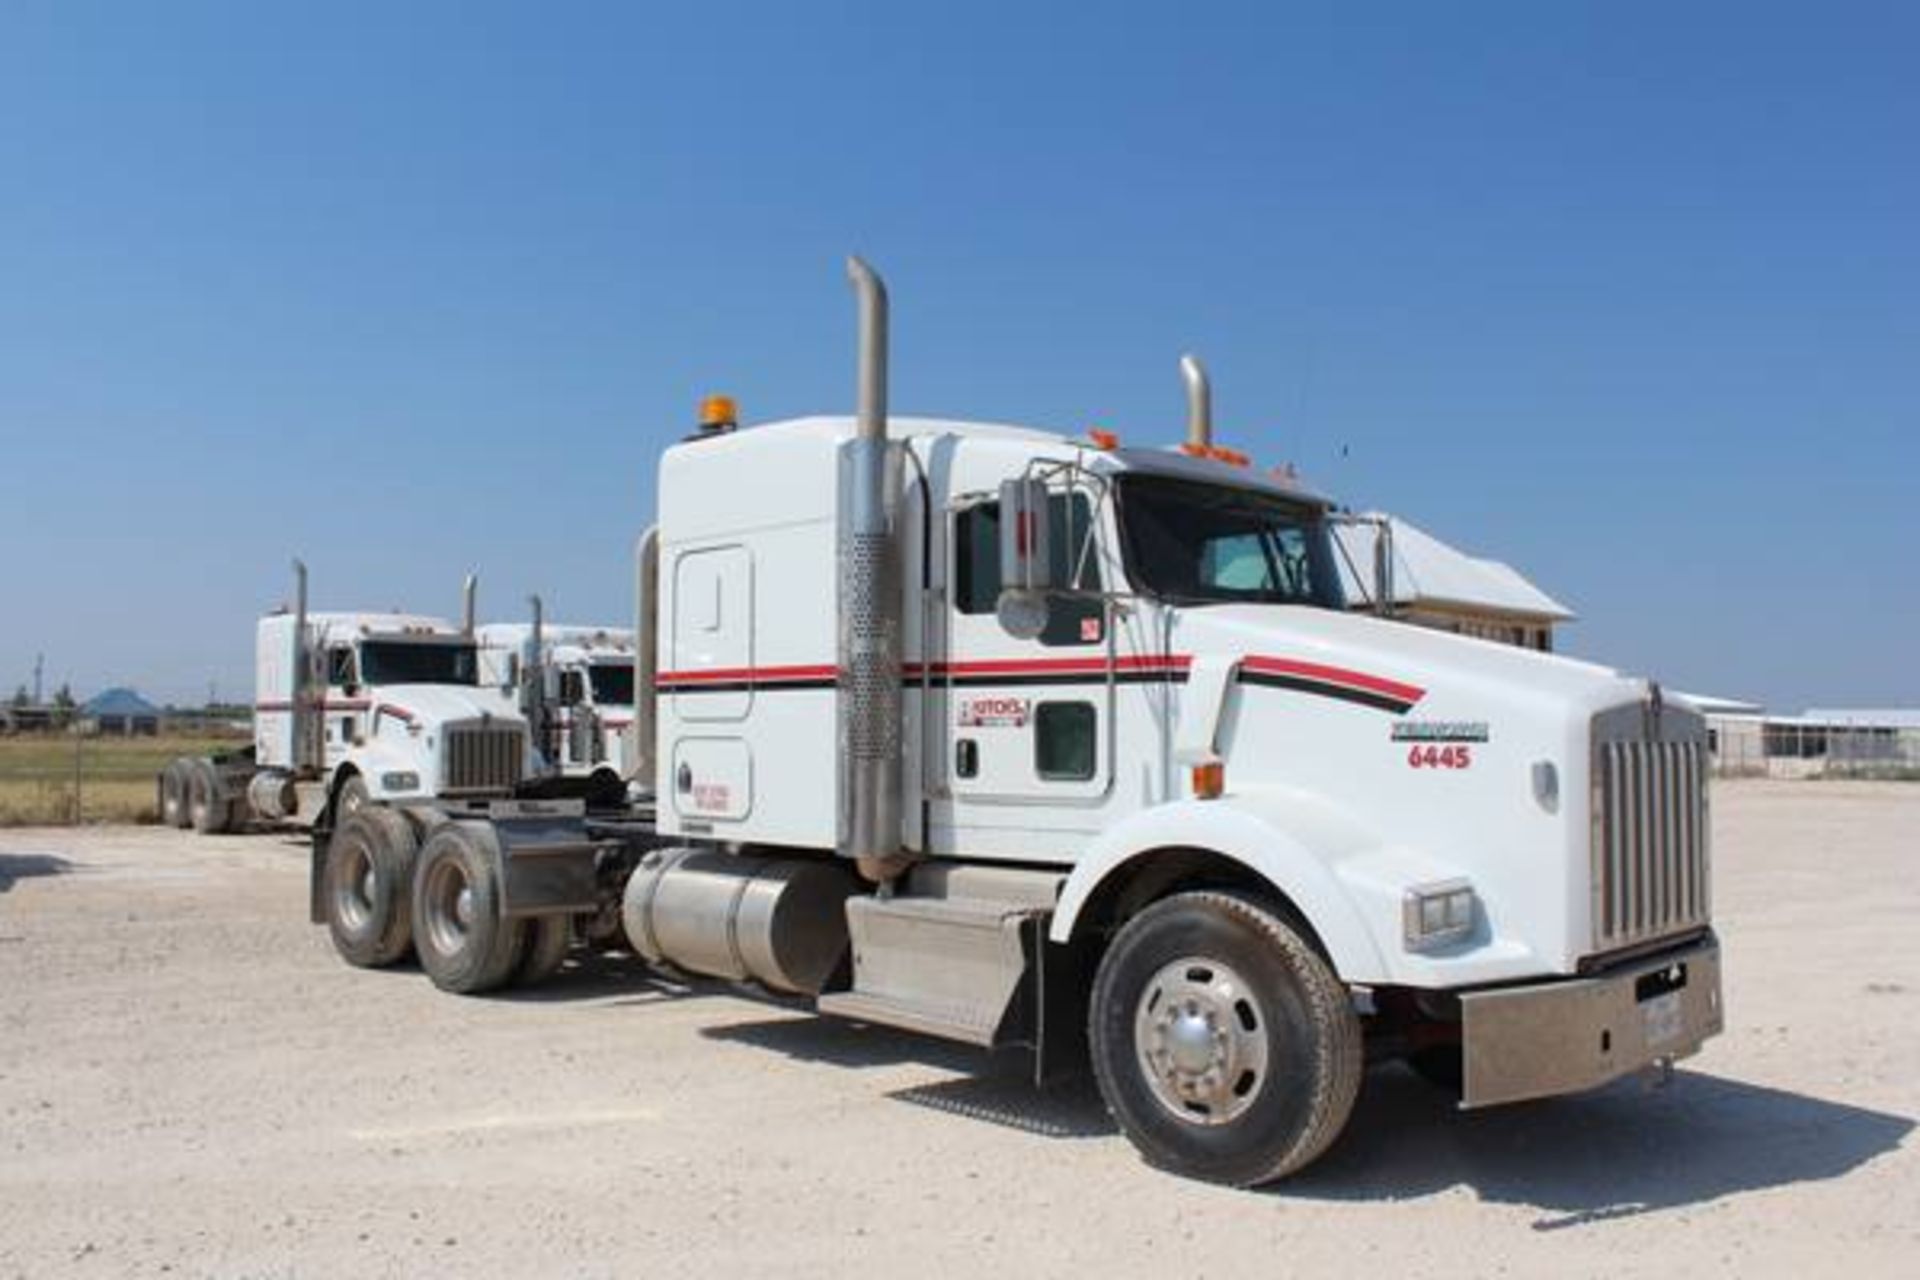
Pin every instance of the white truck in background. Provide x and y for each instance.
(352, 707)
(574, 685)
(1017, 738)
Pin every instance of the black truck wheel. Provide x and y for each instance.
(548, 939)
(208, 808)
(173, 794)
(369, 887)
(1223, 1043)
(464, 943)
(349, 798)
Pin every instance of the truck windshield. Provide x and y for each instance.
(1190, 542)
(412, 662)
(612, 684)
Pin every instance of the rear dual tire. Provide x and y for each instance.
(464, 942)
(173, 794)
(209, 808)
(1223, 1043)
(369, 887)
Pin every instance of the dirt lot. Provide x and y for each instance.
(190, 1083)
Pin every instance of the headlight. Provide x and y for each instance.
(1434, 915)
(400, 781)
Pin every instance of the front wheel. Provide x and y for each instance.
(1223, 1043)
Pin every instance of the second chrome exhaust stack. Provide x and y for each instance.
(869, 643)
(1199, 403)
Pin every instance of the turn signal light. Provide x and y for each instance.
(1209, 779)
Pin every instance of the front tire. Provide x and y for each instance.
(349, 798)
(369, 887)
(1223, 1043)
(464, 943)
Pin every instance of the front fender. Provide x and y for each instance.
(1274, 835)
(375, 760)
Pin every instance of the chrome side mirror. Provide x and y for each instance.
(1026, 559)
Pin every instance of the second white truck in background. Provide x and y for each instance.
(574, 685)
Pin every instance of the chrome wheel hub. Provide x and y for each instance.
(1201, 1039)
(449, 907)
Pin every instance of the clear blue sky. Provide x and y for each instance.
(1622, 293)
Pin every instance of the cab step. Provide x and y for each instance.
(943, 966)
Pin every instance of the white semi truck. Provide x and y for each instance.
(575, 686)
(1020, 739)
(358, 706)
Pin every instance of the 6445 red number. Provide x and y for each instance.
(1436, 757)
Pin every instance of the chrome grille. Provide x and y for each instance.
(1650, 825)
(484, 758)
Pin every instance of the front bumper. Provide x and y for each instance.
(1561, 1037)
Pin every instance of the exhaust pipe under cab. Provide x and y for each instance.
(869, 639)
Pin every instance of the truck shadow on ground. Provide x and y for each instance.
(25, 866)
(1617, 1153)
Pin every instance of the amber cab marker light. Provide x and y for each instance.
(1209, 779)
(1103, 439)
(719, 413)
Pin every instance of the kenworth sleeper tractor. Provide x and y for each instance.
(351, 706)
(1019, 739)
(575, 686)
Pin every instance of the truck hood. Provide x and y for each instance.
(1435, 756)
(1436, 672)
(431, 705)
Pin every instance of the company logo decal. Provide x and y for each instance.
(1439, 731)
(995, 712)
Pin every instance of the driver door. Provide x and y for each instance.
(1028, 722)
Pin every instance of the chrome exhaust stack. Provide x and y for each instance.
(1199, 403)
(868, 696)
(306, 754)
(469, 598)
(646, 658)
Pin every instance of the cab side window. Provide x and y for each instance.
(1073, 619)
(340, 667)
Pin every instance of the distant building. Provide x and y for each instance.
(120, 711)
(1821, 742)
(1439, 586)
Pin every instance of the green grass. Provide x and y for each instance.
(117, 776)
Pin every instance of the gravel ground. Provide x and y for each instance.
(191, 1083)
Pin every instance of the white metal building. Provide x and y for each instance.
(1441, 586)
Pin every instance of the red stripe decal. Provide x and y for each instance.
(1335, 675)
(756, 675)
(398, 713)
(1172, 663)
